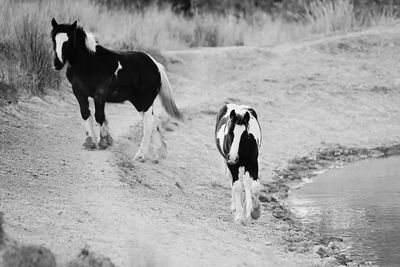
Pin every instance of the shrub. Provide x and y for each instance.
(329, 16)
(35, 54)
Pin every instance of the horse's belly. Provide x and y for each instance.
(118, 95)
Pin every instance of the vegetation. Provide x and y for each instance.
(26, 50)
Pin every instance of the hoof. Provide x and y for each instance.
(139, 157)
(255, 214)
(89, 144)
(105, 142)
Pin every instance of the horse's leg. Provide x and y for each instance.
(252, 188)
(99, 104)
(229, 175)
(247, 189)
(162, 149)
(90, 141)
(255, 188)
(148, 119)
(237, 191)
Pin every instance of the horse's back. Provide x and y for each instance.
(137, 77)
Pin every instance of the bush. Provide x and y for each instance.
(329, 16)
(34, 51)
(25, 52)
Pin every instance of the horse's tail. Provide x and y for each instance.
(166, 94)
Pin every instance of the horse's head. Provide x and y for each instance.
(63, 36)
(236, 134)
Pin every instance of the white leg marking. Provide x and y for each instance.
(60, 38)
(234, 151)
(103, 130)
(229, 175)
(105, 137)
(161, 145)
(237, 189)
(256, 188)
(247, 188)
(89, 126)
(148, 119)
(233, 202)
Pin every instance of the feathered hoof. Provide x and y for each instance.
(255, 214)
(105, 142)
(89, 144)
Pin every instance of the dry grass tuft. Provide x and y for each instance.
(26, 53)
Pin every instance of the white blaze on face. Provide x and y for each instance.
(60, 38)
(237, 135)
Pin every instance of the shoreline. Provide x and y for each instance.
(294, 175)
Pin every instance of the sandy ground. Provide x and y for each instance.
(339, 89)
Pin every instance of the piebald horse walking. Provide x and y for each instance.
(111, 76)
(238, 139)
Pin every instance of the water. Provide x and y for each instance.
(360, 203)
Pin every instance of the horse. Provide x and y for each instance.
(238, 139)
(111, 76)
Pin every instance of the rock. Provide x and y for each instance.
(329, 262)
(342, 259)
(90, 259)
(322, 251)
(280, 213)
(11, 254)
(37, 256)
(264, 198)
(325, 240)
(333, 245)
(11, 257)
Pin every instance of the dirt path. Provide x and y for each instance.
(175, 213)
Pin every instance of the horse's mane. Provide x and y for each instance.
(87, 38)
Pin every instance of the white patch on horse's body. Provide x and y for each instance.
(89, 126)
(221, 136)
(118, 68)
(254, 128)
(237, 135)
(90, 42)
(60, 38)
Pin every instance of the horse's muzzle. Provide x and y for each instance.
(58, 65)
(232, 160)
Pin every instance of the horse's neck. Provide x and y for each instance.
(81, 59)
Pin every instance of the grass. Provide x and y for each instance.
(26, 47)
(328, 16)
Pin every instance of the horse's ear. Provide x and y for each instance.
(73, 26)
(233, 114)
(54, 23)
(246, 118)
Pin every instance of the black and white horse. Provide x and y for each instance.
(238, 139)
(110, 76)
